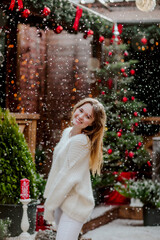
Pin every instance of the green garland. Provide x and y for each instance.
(63, 13)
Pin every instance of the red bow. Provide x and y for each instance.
(77, 18)
(20, 5)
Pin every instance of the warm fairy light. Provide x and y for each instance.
(73, 97)
(11, 46)
(139, 47)
(143, 48)
(32, 86)
(15, 95)
(19, 98)
(152, 48)
(90, 95)
(12, 82)
(24, 62)
(157, 43)
(74, 89)
(76, 75)
(23, 77)
(137, 43)
(76, 60)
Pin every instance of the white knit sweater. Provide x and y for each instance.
(69, 183)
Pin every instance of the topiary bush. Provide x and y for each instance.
(15, 162)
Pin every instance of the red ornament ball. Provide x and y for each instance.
(101, 39)
(139, 144)
(135, 114)
(26, 13)
(125, 74)
(46, 11)
(99, 80)
(144, 40)
(120, 130)
(149, 163)
(106, 62)
(119, 134)
(90, 33)
(126, 54)
(122, 70)
(132, 71)
(125, 99)
(132, 98)
(126, 153)
(144, 110)
(110, 53)
(110, 151)
(103, 93)
(136, 124)
(131, 154)
(59, 29)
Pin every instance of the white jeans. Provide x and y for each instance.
(67, 228)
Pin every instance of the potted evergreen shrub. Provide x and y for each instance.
(16, 163)
(148, 192)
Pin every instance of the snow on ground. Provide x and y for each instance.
(125, 229)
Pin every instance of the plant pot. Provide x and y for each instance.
(14, 213)
(151, 216)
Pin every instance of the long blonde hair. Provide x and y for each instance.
(95, 133)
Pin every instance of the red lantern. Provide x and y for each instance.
(125, 99)
(24, 187)
(131, 154)
(101, 39)
(110, 151)
(46, 11)
(132, 71)
(59, 29)
(26, 13)
(132, 98)
(144, 40)
(90, 33)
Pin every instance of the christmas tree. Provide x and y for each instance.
(124, 152)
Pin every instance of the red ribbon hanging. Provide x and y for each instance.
(77, 18)
(20, 5)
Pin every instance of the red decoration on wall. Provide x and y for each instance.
(20, 5)
(101, 39)
(77, 18)
(46, 11)
(59, 29)
(26, 13)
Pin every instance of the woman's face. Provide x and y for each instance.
(83, 116)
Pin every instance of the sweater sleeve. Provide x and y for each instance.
(69, 175)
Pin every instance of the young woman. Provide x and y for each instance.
(68, 192)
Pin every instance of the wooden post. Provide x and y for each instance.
(156, 159)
